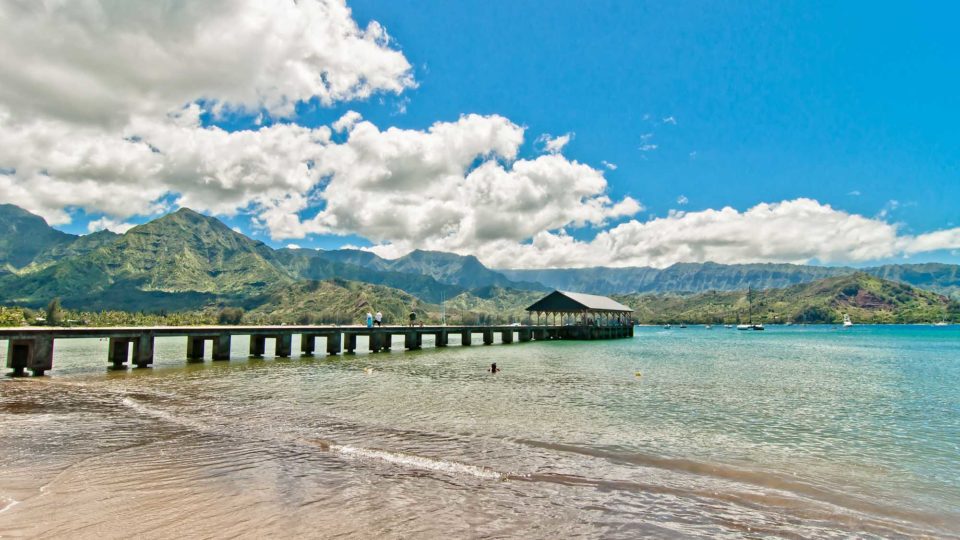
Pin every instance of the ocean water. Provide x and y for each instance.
(794, 432)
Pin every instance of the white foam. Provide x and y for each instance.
(415, 462)
(7, 503)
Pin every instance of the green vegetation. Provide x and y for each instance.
(867, 299)
(186, 268)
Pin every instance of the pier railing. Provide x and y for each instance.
(31, 348)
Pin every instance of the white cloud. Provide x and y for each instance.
(103, 62)
(646, 137)
(693, 155)
(106, 223)
(607, 164)
(293, 246)
(854, 193)
(347, 121)
(797, 231)
(670, 120)
(682, 200)
(554, 145)
(453, 187)
(648, 147)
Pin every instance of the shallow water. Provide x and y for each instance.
(793, 432)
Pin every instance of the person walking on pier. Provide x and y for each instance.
(413, 318)
(369, 320)
(378, 319)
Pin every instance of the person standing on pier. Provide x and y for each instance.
(378, 319)
(369, 320)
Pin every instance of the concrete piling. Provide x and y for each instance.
(258, 345)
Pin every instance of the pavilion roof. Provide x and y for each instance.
(564, 301)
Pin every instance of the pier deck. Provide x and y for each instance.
(31, 348)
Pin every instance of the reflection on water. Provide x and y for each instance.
(793, 432)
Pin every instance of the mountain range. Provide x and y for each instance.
(188, 261)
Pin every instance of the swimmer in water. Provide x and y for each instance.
(494, 368)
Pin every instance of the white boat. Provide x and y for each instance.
(847, 323)
(758, 326)
(707, 326)
(744, 327)
(666, 326)
(941, 323)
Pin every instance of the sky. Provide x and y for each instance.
(529, 134)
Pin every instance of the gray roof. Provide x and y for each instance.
(569, 301)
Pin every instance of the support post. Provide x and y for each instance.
(506, 336)
(525, 334)
(284, 345)
(34, 354)
(333, 343)
(258, 345)
(376, 341)
(442, 338)
(387, 341)
(308, 344)
(118, 354)
(221, 347)
(412, 340)
(487, 336)
(466, 338)
(351, 345)
(195, 346)
(143, 350)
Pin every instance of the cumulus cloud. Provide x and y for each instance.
(102, 62)
(682, 200)
(670, 120)
(554, 145)
(106, 223)
(454, 186)
(102, 101)
(607, 164)
(796, 231)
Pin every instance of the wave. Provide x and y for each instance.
(782, 492)
(408, 460)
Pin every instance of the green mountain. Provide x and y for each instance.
(315, 265)
(463, 271)
(25, 236)
(701, 277)
(181, 260)
(185, 260)
(866, 298)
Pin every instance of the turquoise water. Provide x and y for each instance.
(795, 432)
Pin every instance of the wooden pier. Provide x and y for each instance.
(31, 348)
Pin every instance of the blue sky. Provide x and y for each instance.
(700, 105)
(778, 100)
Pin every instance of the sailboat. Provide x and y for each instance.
(847, 323)
(750, 325)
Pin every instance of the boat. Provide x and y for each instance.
(707, 326)
(847, 323)
(941, 323)
(750, 325)
(666, 326)
(682, 325)
(728, 326)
